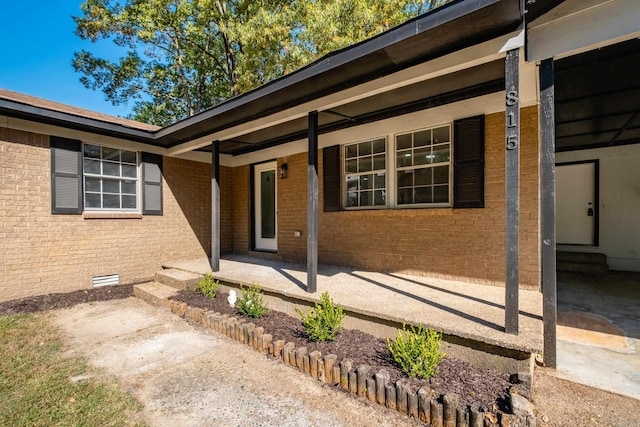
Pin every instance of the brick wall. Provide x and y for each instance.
(42, 253)
(465, 244)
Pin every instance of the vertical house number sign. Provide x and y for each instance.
(513, 119)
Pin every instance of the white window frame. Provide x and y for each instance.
(101, 176)
(449, 163)
(391, 170)
(345, 174)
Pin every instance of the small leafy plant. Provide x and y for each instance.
(324, 322)
(208, 286)
(251, 303)
(417, 351)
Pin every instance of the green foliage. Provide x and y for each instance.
(180, 57)
(208, 286)
(324, 322)
(35, 385)
(251, 302)
(417, 351)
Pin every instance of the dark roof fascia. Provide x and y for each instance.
(536, 8)
(419, 25)
(28, 112)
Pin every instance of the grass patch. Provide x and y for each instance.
(36, 386)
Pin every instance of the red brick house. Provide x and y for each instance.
(420, 140)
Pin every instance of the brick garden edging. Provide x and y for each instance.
(438, 411)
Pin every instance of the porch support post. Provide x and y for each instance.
(548, 202)
(512, 171)
(215, 206)
(312, 212)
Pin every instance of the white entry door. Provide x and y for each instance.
(266, 224)
(576, 209)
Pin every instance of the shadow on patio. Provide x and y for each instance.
(465, 310)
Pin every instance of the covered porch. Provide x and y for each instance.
(470, 315)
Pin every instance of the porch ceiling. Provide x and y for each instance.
(598, 98)
(475, 81)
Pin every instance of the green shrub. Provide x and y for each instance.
(417, 351)
(324, 322)
(251, 303)
(208, 286)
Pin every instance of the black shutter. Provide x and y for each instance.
(66, 176)
(151, 184)
(468, 169)
(331, 178)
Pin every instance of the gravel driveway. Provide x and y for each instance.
(188, 376)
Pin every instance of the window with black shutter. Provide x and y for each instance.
(66, 176)
(331, 178)
(468, 185)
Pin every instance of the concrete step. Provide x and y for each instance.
(154, 293)
(581, 257)
(583, 267)
(178, 279)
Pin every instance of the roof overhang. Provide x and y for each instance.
(341, 79)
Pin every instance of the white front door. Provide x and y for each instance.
(266, 224)
(575, 203)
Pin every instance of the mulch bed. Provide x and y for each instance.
(475, 386)
(56, 301)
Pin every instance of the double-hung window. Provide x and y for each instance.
(111, 179)
(365, 173)
(423, 167)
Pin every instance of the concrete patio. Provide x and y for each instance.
(471, 315)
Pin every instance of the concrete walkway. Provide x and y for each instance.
(466, 310)
(188, 376)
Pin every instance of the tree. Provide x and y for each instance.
(181, 57)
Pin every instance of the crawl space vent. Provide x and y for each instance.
(111, 280)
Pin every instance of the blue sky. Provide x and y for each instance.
(37, 48)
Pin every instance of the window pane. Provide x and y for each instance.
(423, 176)
(441, 153)
(111, 201)
(404, 158)
(366, 198)
(422, 156)
(423, 195)
(441, 175)
(111, 186)
(422, 138)
(380, 181)
(129, 157)
(110, 154)
(92, 184)
(129, 171)
(405, 196)
(128, 187)
(364, 164)
(352, 165)
(91, 151)
(352, 183)
(92, 200)
(441, 194)
(405, 179)
(379, 198)
(403, 141)
(379, 162)
(366, 182)
(378, 146)
(110, 169)
(352, 199)
(364, 148)
(352, 150)
(268, 204)
(129, 202)
(92, 167)
(441, 135)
